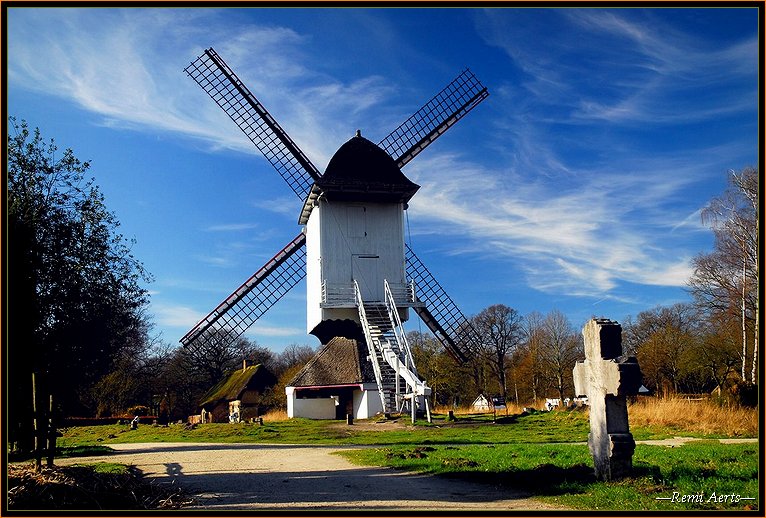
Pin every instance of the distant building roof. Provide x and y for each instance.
(342, 361)
(360, 171)
(231, 388)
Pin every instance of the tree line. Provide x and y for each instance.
(707, 345)
(77, 322)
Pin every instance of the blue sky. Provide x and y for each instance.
(575, 186)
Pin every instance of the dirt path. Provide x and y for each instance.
(257, 476)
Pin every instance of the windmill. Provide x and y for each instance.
(362, 278)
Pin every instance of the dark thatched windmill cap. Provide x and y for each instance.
(360, 171)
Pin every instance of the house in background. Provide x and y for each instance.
(337, 381)
(239, 395)
(481, 404)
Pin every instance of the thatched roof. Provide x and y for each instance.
(341, 361)
(360, 171)
(231, 388)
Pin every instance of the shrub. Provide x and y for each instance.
(139, 410)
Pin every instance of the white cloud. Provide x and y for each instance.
(126, 66)
(575, 238)
(231, 227)
(623, 67)
(265, 330)
(176, 315)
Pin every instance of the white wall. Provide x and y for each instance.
(381, 233)
(313, 271)
(337, 234)
(367, 403)
(311, 408)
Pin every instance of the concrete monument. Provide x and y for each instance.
(607, 377)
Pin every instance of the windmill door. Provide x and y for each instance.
(366, 272)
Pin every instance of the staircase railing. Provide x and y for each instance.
(370, 345)
(401, 336)
(418, 388)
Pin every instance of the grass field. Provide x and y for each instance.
(541, 427)
(543, 452)
(563, 474)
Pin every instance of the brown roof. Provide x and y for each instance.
(231, 388)
(341, 361)
(360, 171)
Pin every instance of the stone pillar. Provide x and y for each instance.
(606, 378)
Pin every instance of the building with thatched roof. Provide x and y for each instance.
(337, 381)
(239, 395)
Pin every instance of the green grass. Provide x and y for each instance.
(472, 429)
(543, 427)
(542, 452)
(110, 468)
(563, 474)
(84, 450)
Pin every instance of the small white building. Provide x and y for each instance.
(481, 404)
(336, 382)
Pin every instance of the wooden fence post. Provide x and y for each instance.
(37, 426)
(51, 435)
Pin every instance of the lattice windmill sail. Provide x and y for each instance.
(351, 249)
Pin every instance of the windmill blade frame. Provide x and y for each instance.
(220, 82)
(256, 295)
(435, 117)
(440, 313)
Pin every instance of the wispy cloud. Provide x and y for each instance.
(284, 205)
(126, 67)
(231, 227)
(623, 67)
(176, 315)
(579, 241)
(586, 198)
(265, 330)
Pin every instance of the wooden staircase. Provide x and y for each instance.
(398, 383)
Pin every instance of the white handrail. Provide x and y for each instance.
(401, 337)
(370, 345)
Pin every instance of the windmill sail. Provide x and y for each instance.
(447, 107)
(440, 313)
(250, 301)
(226, 89)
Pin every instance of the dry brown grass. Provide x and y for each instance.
(275, 415)
(703, 416)
(466, 409)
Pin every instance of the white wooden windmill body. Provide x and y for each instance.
(347, 242)
(355, 233)
(361, 276)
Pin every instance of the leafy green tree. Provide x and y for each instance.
(73, 285)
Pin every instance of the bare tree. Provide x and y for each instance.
(530, 361)
(726, 280)
(499, 328)
(664, 337)
(561, 346)
(217, 353)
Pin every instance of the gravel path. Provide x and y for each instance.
(269, 476)
(258, 476)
